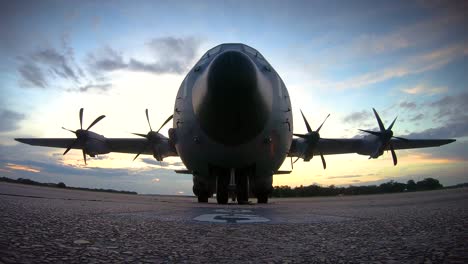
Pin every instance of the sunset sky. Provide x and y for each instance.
(404, 58)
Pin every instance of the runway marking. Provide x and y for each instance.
(234, 216)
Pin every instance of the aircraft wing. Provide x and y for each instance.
(363, 146)
(419, 143)
(135, 145)
(48, 142)
(120, 145)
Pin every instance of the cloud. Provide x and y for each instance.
(56, 62)
(16, 159)
(100, 87)
(423, 89)
(21, 167)
(408, 105)
(106, 59)
(357, 117)
(407, 36)
(175, 51)
(48, 62)
(345, 177)
(449, 116)
(9, 120)
(164, 164)
(170, 55)
(415, 64)
(453, 107)
(56, 68)
(32, 75)
(448, 130)
(417, 117)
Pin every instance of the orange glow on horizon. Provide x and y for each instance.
(21, 168)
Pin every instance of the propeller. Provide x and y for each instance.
(385, 135)
(153, 137)
(81, 135)
(311, 138)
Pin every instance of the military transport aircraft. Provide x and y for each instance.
(233, 128)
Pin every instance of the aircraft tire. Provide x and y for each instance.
(202, 198)
(262, 198)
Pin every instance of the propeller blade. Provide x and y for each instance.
(147, 118)
(95, 122)
(381, 125)
(69, 147)
(375, 133)
(301, 136)
(165, 122)
(318, 129)
(69, 130)
(81, 118)
(141, 135)
(323, 161)
(296, 160)
(141, 151)
(292, 166)
(306, 123)
(391, 125)
(393, 155)
(400, 138)
(84, 156)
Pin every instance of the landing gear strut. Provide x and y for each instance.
(242, 188)
(222, 190)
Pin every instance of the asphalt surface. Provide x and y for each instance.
(50, 225)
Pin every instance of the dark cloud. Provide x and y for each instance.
(9, 120)
(175, 51)
(417, 117)
(171, 55)
(106, 59)
(32, 75)
(43, 67)
(451, 115)
(51, 170)
(47, 66)
(99, 87)
(457, 150)
(345, 176)
(49, 62)
(153, 161)
(357, 117)
(167, 67)
(55, 62)
(448, 130)
(453, 107)
(408, 105)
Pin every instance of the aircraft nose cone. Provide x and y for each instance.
(232, 100)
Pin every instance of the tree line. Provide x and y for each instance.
(61, 185)
(332, 190)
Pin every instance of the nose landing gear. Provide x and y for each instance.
(234, 186)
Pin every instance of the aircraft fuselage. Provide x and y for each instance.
(232, 114)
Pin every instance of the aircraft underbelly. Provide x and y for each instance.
(265, 153)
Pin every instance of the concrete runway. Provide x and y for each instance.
(41, 224)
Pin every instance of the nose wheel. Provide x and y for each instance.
(232, 186)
